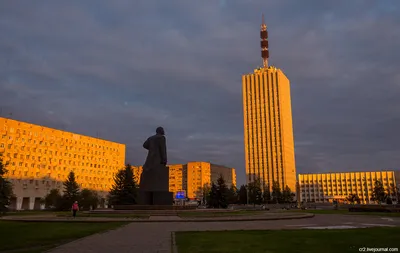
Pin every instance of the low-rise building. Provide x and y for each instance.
(337, 186)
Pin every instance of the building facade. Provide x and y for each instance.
(329, 187)
(191, 178)
(268, 128)
(229, 174)
(196, 176)
(40, 158)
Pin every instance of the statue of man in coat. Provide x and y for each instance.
(154, 180)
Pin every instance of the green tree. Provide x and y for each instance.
(206, 193)
(6, 190)
(242, 195)
(287, 195)
(233, 195)
(213, 196)
(222, 192)
(124, 189)
(276, 192)
(266, 194)
(71, 188)
(393, 193)
(255, 192)
(89, 199)
(378, 194)
(53, 199)
(71, 191)
(353, 198)
(114, 196)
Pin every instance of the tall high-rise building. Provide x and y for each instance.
(268, 130)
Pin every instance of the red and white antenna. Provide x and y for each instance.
(264, 42)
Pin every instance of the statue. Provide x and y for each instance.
(154, 180)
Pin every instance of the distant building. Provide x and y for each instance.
(229, 174)
(191, 178)
(40, 158)
(328, 187)
(268, 128)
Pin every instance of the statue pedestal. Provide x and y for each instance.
(155, 198)
(154, 187)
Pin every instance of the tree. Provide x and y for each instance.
(378, 194)
(124, 189)
(53, 199)
(352, 198)
(232, 195)
(206, 193)
(71, 191)
(6, 190)
(394, 193)
(222, 192)
(276, 192)
(266, 194)
(255, 193)
(89, 199)
(71, 188)
(242, 195)
(287, 195)
(117, 188)
(213, 196)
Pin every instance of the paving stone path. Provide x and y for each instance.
(157, 218)
(153, 237)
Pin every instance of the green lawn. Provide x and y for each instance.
(19, 237)
(204, 214)
(345, 211)
(283, 241)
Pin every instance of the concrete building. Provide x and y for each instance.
(327, 187)
(40, 158)
(192, 177)
(196, 176)
(229, 174)
(268, 130)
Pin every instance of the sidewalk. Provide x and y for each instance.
(158, 219)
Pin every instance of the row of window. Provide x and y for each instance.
(60, 141)
(74, 156)
(342, 180)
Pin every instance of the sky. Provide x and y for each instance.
(121, 68)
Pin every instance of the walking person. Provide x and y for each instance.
(75, 208)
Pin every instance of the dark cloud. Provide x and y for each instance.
(121, 68)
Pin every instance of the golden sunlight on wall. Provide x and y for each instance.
(268, 129)
(327, 187)
(40, 159)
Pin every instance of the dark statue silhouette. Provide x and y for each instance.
(154, 180)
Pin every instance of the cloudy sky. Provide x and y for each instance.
(121, 68)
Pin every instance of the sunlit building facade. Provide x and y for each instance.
(40, 158)
(268, 128)
(329, 187)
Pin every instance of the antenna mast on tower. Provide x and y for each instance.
(264, 43)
